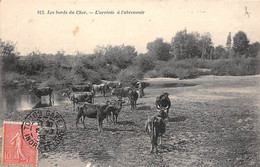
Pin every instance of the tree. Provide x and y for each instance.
(185, 45)
(121, 56)
(9, 56)
(240, 43)
(228, 44)
(144, 62)
(254, 49)
(205, 45)
(220, 52)
(159, 49)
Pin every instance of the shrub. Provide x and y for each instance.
(127, 75)
(14, 79)
(152, 74)
(236, 66)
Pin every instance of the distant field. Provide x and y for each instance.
(214, 121)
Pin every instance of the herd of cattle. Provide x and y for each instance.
(83, 96)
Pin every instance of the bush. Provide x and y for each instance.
(14, 79)
(236, 66)
(127, 75)
(152, 74)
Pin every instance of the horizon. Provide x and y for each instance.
(82, 33)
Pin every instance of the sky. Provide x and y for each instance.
(21, 23)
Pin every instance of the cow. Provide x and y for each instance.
(39, 92)
(115, 108)
(82, 88)
(133, 96)
(77, 97)
(156, 127)
(121, 92)
(114, 85)
(141, 86)
(103, 88)
(97, 111)
(163, 102)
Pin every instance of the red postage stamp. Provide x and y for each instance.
(15, 149)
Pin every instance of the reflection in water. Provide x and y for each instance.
(21, 99)
(41, 105)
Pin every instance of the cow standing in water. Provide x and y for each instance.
(45, 91)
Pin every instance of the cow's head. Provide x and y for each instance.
(163, 114)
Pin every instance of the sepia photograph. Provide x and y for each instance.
(123, 83)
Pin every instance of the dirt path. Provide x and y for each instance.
(214, 123)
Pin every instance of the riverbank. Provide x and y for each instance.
(213, 122)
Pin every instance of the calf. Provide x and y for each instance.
(79, 97)
(163, 102)
(133, 96)
(100, 112)
(156, 127)
(115, 108)
(103, 88)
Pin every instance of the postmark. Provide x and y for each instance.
(15, 149)
(51, 130)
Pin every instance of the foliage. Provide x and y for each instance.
(236, 66)
(189, 55)
(240, 43)
(220, 52)
(159, 49)
(9, 56)
(127, 75)
(229, 42)
(184, 45)
(254, 50)
(144, 62)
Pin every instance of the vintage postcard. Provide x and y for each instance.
(129, 83)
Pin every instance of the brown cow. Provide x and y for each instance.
(45, 91)
(156, 127)
(133, 96)
(163, 102)
(115, 108)
(77, 97)
(97, 111)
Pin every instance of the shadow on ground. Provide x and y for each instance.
(178, 119)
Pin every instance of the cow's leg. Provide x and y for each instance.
(156, 149)
(101, 124)
(77, 121)
(152, 147)
(160, 140)
(98, 124)
(83, 122)
(113, 118)
(107, 117)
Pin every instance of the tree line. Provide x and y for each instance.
(184, 57)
